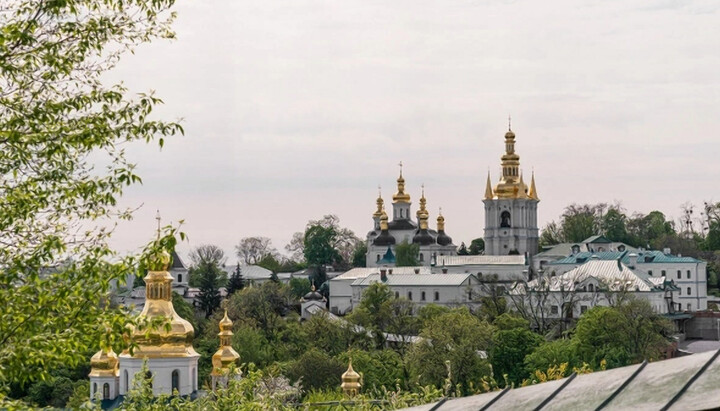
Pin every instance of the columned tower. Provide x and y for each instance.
(511, 208)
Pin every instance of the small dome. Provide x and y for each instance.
(422, 237)
(510, 134)
(384, 239)
(225, 323)
(443, 239)
(104, 363)
(313, 295)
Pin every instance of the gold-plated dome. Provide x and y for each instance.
(401, 196)
(104, 364)
(350, 381)
(225, 355)
(440, 222)
(422, 212)
(511, 184)
(383, 220)
(380, 203)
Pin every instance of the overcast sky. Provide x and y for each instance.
(297, 109)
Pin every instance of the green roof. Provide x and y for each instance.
(643, 257)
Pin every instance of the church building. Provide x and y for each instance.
(511, 225)
(385, 235)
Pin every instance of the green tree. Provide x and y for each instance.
(580, 221)
(236, 281)
(299, 287)
(644, 230)
(406, 254)
(268, 261)
(509, 350)
(455, 337)
(463, 249)
(63, 135)
(262, 307)
(379, 368)
(316, 370)
(206, 257)
(621, 335)
(359, 257)
(552, 354)
(429, 312)
(551, 234)
(319, 246)
(615, 225)
(477, 246)
(508, 321)
(209, 277)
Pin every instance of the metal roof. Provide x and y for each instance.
(249, 272)
(613, 274)
(643, 257)
(415, 279)
(362, 272)
(457, 260)
(686, 383)
(565, 249)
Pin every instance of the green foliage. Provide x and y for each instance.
(454, 338)
(359, 257)
(477, 246)
(429, 312)
(463, 249)
(406, 254)
(261, 307)
(379, 368)
(580, 221)
(621, 335)
(316, 370)
(614, 224)
(509, 350)
(508, 321)
(552, 354)
(209, 276)
(319, 246)
(299, 287)
(551, 234)
(236, 281)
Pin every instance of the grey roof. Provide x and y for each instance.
(643, 257)
(686, 383)
(362, 272)
(596, 239)
(459, 260)
(415, 279)
(249, 272)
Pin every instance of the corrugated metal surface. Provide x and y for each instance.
(643, 257)
(455, 260)
(607, 272)
(362, 272)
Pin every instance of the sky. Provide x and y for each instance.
(294, 110)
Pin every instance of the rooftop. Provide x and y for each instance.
(416, 279)
(644, 257)
(677, 384)
(362, 272)
(459, 260)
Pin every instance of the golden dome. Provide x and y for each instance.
(440, 222)
(225, 355)
(401, 196)
(380, 202)
(350, 381)
(383, 220)
(104, 364)
(422, 212)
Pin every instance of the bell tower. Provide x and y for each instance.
(511, 208)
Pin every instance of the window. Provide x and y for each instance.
(397, 294)
(688, 274)
(583, 308)
(679, 275)
(505, 219)
(422, 257)
(469, 295)
(679, 291)
(591, 287)
(179, 278)
(106, 391)
(437, 296)
(650, 273)
(378, 258)
(689, 307)
(663, 273)
(422, 296)
(175, 381)
(94, 389)
(554, 309)
(689, 291)
(127, 386)
(410, 295)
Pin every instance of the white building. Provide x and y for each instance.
(442, 289)
(511, 225)
(595, 283)
(596, 243)
(503, 268)
(688, 274)
(341, 292)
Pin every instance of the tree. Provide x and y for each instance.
(183, 309)
(262, 307)
(580, 221)
(316, 370)
(57, 122)
(251, 250)
(477, 246)
(551, 234)
(406, 254)
(299, 287)
(359, 257)
(319, 246)
(552, 354)
(509, 350)
(329, 243)
(236, 281)
(206, 258)
(268, 261)
(453, 338)
(615, 225)
(208, 276)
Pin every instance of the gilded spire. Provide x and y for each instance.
(401, 196)
(488, 188)
(380, 202)
(440, 221)
(422, 212)
(383, 220)
(533, 191)
(350, 381)
(225, 355)
(510, 185)
(522, 188)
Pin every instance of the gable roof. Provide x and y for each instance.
(643, 257)
(595, 239)
(362, 272)
(460, 260)
(416, 279)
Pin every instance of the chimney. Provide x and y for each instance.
(666, 251)
(633, 260)
(383, 275)
(417, 271)
(390, 271)
(444, 270)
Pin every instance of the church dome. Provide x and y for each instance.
(313, 295)
(443, 239)
(384, 239)
(104, 364)
(422, 237)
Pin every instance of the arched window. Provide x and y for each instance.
(106, 391)
(175, 381)
(591, 287)
(378, 258)
(505, 219)
(126, 379)
(422, 257)
(397, 294)
(437, 296)
(179, 278)
(621, 248)
(422, 296)
(689, 291)
(94, 389)
(410, 295)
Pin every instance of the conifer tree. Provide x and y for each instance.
(236, 282)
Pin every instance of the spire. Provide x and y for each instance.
(350, 381)
(401, 196)
(422, 212)
(488, 188)
(225, 356)
(380, 202)
(521, 187)
(440, 221)
(533, 191)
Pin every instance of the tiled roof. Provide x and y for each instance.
(415, 279)
(458, 260)
(686, 383)
(643, 257)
